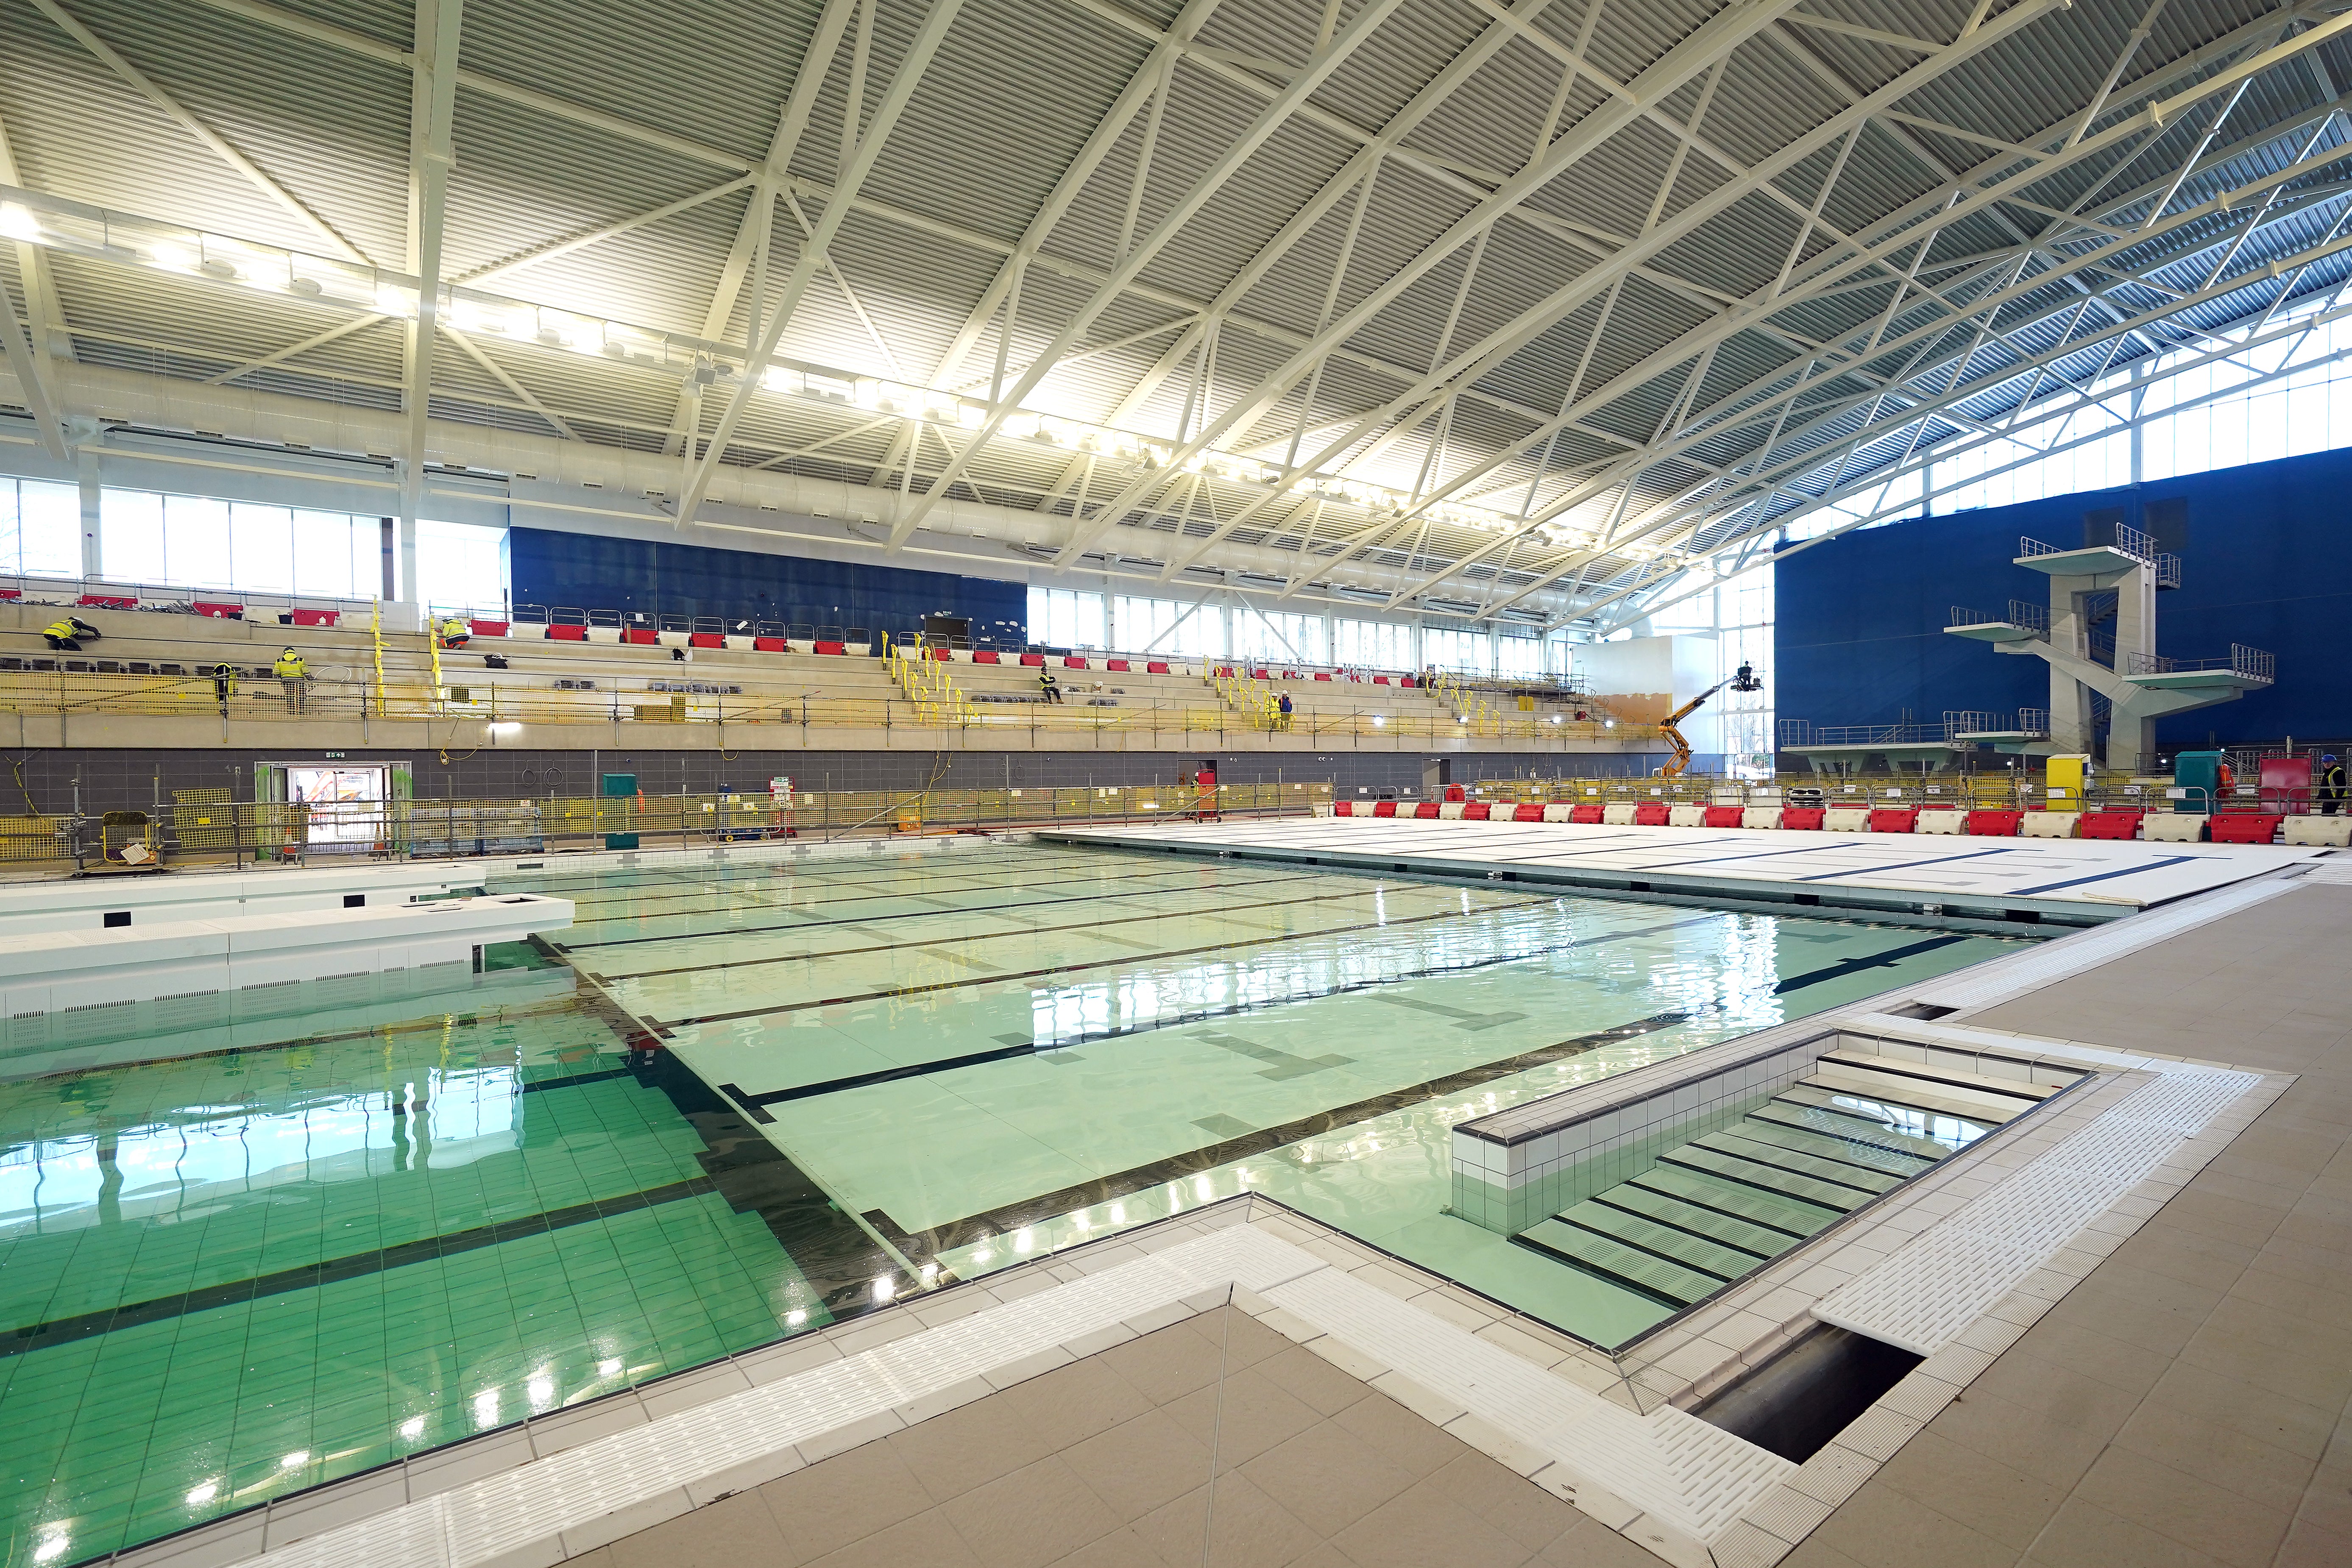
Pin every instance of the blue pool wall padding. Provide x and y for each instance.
(590, 572)
(1859, 637)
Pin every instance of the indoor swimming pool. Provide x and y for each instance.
(234, 1275)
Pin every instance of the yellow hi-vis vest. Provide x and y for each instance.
(289, 667)
(61, 629)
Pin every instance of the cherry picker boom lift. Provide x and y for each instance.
(1744, 680)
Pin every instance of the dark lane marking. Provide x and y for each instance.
(82, 1326)
(1281, 1066)
(944, 955)
(999, 911)
(647, 904)
(1907, 865)
(921, 1246)
(2103, 876)
(925, 989)
(1019, 1045)
(1094, 927)
(1886, 960)
(1462, 1016)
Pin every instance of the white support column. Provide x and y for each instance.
(93, 543)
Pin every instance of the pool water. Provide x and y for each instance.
(234, 1275)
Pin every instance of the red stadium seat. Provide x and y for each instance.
(1527, 813)
(1651, 814)
(984, 656)
(1073, 664)
(2108, 825)
(1480, 812)
(1589, 814)
(641, 636)
(705, 640)
(770, 645)
(1995, 824)
(831, 647)
(2246, 826)
(567, 634)
(1804, 818)
(1384, 808)
(1155, 666)
(1032, 660)
(1380, 680)
(1895, 819)
(1118, 666)
(1724, 815)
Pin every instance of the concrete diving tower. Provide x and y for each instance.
(2088, 588)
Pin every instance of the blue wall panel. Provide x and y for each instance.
(588, 571)
(2267, 561)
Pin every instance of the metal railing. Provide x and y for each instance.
(268, 832)
(2023, 613)
(2248, 663)
(2029, 721)
(468, 708)
(1798, 732)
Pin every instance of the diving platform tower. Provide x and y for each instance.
(2099, 637)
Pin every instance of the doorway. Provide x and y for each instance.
(347, 805)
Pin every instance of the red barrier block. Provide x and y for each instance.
(1481, 812)
(1427, 808)
(330, 617)
(1406, 680)
(1073, 664)
(1995, 824)
(1650, 813)
(1118, 666)
(1380, 680)
(1384, 808)
(641, 636)
(705, 640)
(1589, 814)
(1032, 660)
(116, 602)
(1155, 666)
(1724, 815)
(1804, 818)
(2246, 826)
(12, 592)
(567, 634)
(986, 655)
(1323, 675)
(831, 647)
(2108, 825)
(770, 645)
(1343, 808)
(1527, 813)
(1895, 819)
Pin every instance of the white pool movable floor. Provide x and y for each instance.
(2074, 882)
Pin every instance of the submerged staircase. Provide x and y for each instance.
(1713, 1210)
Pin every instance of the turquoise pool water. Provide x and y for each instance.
(234, 1275)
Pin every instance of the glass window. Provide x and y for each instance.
(130, 526)
(261, 548)
(1518, 658)
(1168, 628)
(1375, 645)
(1063, 617)
(196, 542)
(460, 566)
(324, 559)
(1464, 652)
(50, 528)
(1277, 635)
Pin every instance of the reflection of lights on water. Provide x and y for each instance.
(203, 1492)
(541, 1390)
(608, 1368)
(413, 1428)
(885, 1288)
(485, 1407)
(52, 1548)
(295, 1460)
(796, 1317)
(1022, 1240)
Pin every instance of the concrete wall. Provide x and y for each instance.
(1645, 679)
